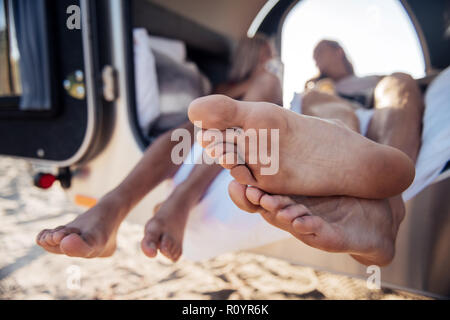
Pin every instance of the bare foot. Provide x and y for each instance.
(90, 235)
(165, 231)
(316, 157)
(365, 229)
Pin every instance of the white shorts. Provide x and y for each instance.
(364, 115)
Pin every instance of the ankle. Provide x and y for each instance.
(185, 194)
(118, 202)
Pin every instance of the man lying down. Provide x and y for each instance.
(335, 189)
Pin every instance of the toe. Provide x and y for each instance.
(308, 224)
(211, 139)
(149, 248)
(320, 234)
(224, 153)
(168, 246)
(273, 203)
(74, 246)
(48, 238)
(254, 195)
(152, 238)
(243, 175)
(40, 241)
(237, 194)
(40, 237)
(218, 112)
(291, 213)
(177, 254)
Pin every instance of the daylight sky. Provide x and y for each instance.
(377, 35)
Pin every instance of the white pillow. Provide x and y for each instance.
(147, 92)
(175, 49)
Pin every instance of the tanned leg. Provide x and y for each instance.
(397, 122)
(327, 106)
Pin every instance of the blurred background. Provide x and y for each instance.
(80, 127)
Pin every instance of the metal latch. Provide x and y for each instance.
(110, 88)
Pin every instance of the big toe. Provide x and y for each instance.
(73, 245)
(152, 238)
(218, 112)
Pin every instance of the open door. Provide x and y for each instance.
(50, 107)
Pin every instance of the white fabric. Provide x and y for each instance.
(216, 225)
(296, 103)
(364, 117)
(147, 92)
(175, 49)
(435, 150)
(178, 83)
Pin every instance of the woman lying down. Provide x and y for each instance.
(334, 189)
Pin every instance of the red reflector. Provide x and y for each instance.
(46, 181)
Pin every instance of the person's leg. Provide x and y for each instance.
(317, 157)
(93, 234)
(397, 120)
(331, 107)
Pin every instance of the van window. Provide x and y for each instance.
(378, 37)
(25, 55)
(10, 84)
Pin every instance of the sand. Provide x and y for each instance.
(28, 272)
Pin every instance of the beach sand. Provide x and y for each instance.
(28, 272)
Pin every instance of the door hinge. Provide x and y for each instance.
(110, 87)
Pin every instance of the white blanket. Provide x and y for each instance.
(435, 150)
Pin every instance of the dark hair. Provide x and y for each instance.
(348, 65)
